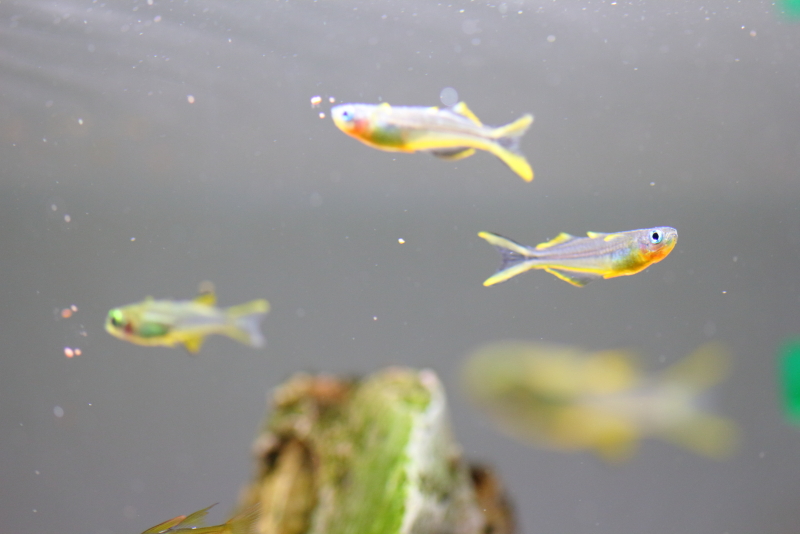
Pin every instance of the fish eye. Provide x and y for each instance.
(656, 237)
(347, 114)
(116, 317)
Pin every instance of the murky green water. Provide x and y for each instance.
(683, 115)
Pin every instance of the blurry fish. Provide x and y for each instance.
(567, 399)
(238, 524)
(170, 322)
(450, 133)
(580, 260)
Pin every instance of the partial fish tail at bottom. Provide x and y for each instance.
(245, 322)
(506, 146)
(516, 258)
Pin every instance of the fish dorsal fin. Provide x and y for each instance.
(610, 371)
(462, 109)
(193, 344)
(206, 294)
(604, 236)
(385, 106)
(576, 278)
(563, 237)
(197, 518)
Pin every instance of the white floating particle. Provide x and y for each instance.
(321, 114)
(53, 207)
(157, 18)
(58, 411)
(652, 183)
(753, 33)
(551, 38)
(67, 218)
(401, 241)
(190, 99)
(133, 239)
(735, 259)
(36, 472)
(331, 99)
(69, 353)
(315, 101)
(374, 317)
(80, 121)
(448, 96)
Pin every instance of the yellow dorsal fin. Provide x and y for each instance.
(610, 371)
(384, 105)
(206, 294)
(595, 234)
(193, 344)
(563, 237)
(462, 109)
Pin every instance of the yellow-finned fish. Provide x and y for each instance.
(565, 398)
(580, 260)
(449, 133)
(238, 524)
(170, 322)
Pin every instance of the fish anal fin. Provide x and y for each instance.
(193, 344)
(561, 238)
(453, 154)
(576, 278)
(462, 109)
(206, 294)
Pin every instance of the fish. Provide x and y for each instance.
(565, 398)
(168, 323)
(580, 260)
(238, 524)
(450, 133)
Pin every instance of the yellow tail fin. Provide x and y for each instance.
(507, 146)
(245, 322)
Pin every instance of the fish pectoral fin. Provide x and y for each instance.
(453, 154)
(462, 109)
(576, 278)
(561, 238)
(193, 344)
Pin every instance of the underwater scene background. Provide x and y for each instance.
(149, 145)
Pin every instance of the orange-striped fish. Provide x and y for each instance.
(449, 133)
(580, 260)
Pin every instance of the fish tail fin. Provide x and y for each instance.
(507, 146)
(245, 322)
(708, 435)
(707, 366)
(701, 432)
(515, 258)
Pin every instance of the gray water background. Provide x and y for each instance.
(680, 113)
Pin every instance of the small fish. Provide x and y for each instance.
(450, 133)
(580, 260)
(238, 524)
(169, 322)
(568, 399)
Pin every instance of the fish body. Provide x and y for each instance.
(169, 322)
(567, 399)
(580, 260)
(449, 133)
